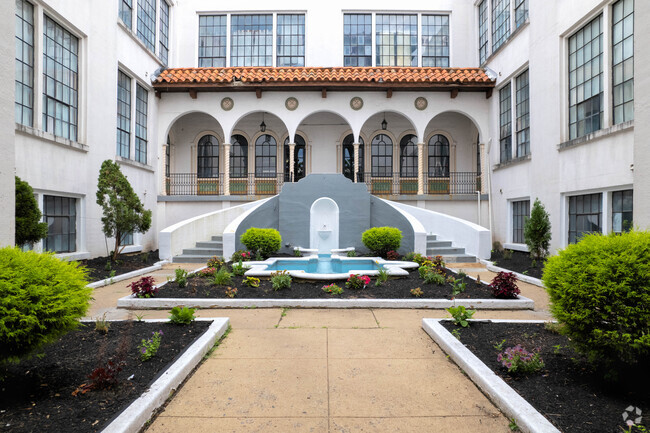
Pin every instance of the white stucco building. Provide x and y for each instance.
(468, 108)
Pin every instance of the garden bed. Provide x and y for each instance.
(101, 268)
(519, 262)
(566, 392)
(37, 394)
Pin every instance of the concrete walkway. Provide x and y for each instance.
(319, 370)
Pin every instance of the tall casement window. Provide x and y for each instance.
(622, 211)
(505, 124)
(24, 103)
(123, 115)
(60, 80)
(435, 40)
(438, 150)
(266, 155)
(60, 214)
(291, 40)
(523, 114)
(207, 163)
(147, 23)
(521, 12)
(126, 12)
(520, 211)
(212, 41)
(251, 40)
(585, 215)
(141, 101)
(500, 22)
(357, 40)
(408, 156)
(238, 156)
(163, 49)
(349, 167)
(623, 60)
(478, 156)
(396, 39)
(483, 31)
(298, 158)
(585, 79)
(168, 157)
(381, 151)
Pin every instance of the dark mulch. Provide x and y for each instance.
(395, 288)
(566, 391)
(36, 395)
(100, 268)
(518, 262)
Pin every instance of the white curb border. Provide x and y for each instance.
(132, 274)
(507, 399)
(525, 278)
(139, 412)
(129, 302)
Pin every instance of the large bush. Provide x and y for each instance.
(29, 227)
(264, 241)
(600, 291)
(41, 298)
(381, 240)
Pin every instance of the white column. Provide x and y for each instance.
(421, 179)
(226, 169)
(356, 167)
(292, 148)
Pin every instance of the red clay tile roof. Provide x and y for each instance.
(393, 77)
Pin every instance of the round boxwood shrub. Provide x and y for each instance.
(41, 298)
(381, 240)
(600, 292)
(263, 241)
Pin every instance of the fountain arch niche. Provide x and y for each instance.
(324, 225)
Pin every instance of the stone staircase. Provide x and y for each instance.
(449, 253)
(202, 251)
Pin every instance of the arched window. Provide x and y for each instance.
(238, 156)
(349, 168)
(266, 154)
(298, 158)
(208, 157)
(408, 156)
(381, 150)
(438, 156)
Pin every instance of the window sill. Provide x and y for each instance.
(49, 137)
(493, 54)
(135, 37)
(131, 249)
(513, 161)
(516, 247)
(621, 127)
(132, 163)
(79, 255)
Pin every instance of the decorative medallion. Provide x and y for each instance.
(291, 103)
(227, 104)
(421, 103)
(356, 103)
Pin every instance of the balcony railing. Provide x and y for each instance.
(191, 184)
(455, 183)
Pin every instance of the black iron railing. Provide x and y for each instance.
(395, 184)
(191, 184)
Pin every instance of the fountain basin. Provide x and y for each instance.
(327, 267)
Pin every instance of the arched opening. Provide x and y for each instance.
(348, 163)
(238, 165)
(299, 152)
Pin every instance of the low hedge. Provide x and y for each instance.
(264, 241)
(600, 292)
(381, 240)
(41, 298)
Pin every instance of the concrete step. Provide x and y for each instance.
(444, 250)
(438, 244)
(210, 244)
(191, 258)
(458, 258)
(217, 238)
(203, 251)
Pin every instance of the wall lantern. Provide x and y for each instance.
(263, 125)
(384, 124)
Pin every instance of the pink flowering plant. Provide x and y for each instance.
(518, 360)
(357, 282)
(149, 348)
(207, 272)
(145, 287)
(333, 289)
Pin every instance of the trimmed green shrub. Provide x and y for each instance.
(262, 241)
(29, 227)
(41, 298)
(381, 240)
(600, 292)
(537, 231)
